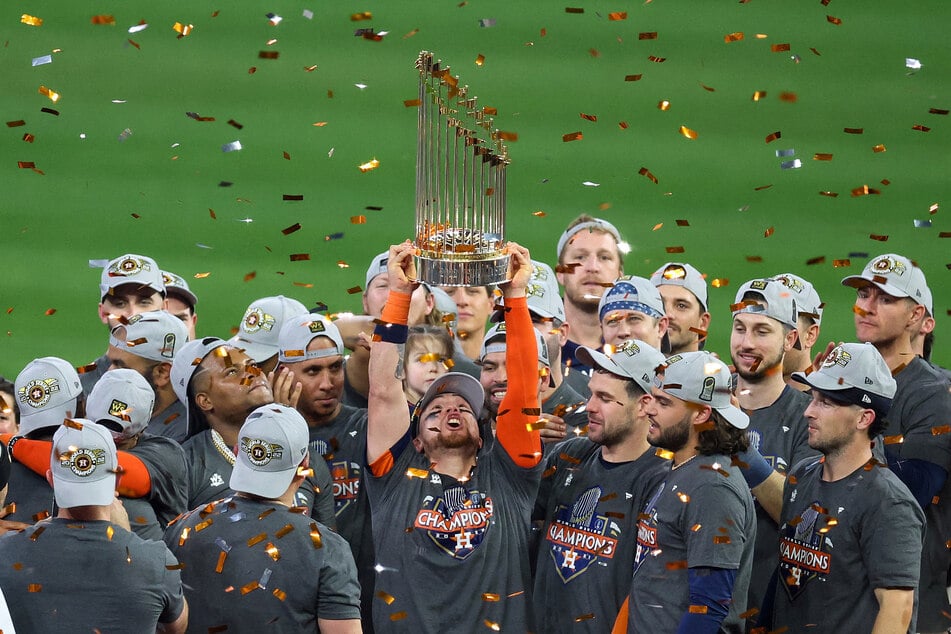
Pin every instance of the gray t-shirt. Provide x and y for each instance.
(918, 429)
(453, 556)
(256, 566)
(589, 507)
(168, 471)
(564, 397)
(210, 471)
(781, 434)
(30, 493)
(829, 569)
(171, 422)
(71, 575)
(701, 515)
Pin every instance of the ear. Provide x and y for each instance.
(161, 374)
(917, 315)
(927, 325)
(640, 405)
(662, 325)
(203, 401)
(563, 334)
(702, 414)
(49, 478)
(418, 445)
(103, 315)
(790, 340)
(810, 336)
(866, 418)
(705, 321)
(430, 303)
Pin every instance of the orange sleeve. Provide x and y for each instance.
(519, 409)
(620, 623)
(135, 481)
(382, 465)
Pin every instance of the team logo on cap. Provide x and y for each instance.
(37, 392)
(791, 283)
(758, 285)
(535, 289)
(317, 326)
(539, 273)
(261, 452)
(119, 409)
(128, 267)
(256, 319)
(168, 346)
(628, 347)
(838, 356)
(885, 264)
(83, 462)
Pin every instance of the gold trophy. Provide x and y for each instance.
(460, 184)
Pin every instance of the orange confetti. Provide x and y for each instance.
(617, 15)
(759, 94)
(821, 157)
(940, 430)
(878, 148)
(31, 20)
(411, 103)
(480, 60)
(788, 97)
(775, 135)
(829, 194)
(687, 132)
(539, 214)
(53, 95)
(358, 220)
(837, 264)
(880, 238)
(646, 35)
(864, 190)
(34, 587)
(920, 128)
(354, 290)
(854, 130)
(657, 226)
(768, 232)
(398, 616)
(363, 15)
(719, 282)
(104, 19)
(182, 29)
(697, 609)
(633, 77)
(369, 165)
(733, 37)
(834, 20)
(320, 124)
(342, 264)
(589, 117)
(289, 230)
(675, 249)
(779, 48)
(50, 311)
(657, 60)
(572, 136)
(663, 105)
(622, 125)
(708, 88)
(299, 257)
(646, 172)
(818, 260)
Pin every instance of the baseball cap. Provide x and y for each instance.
(494, 341)
(443, 302)
(699, 377)
(596, 224)
(542, 295)
(807, 299)
(377, 267)
(630, 292)
(84, 464)
(780, 304)
(297, 333)
(854, 373)
(895, 274)
(47, 389)
(154, 335)
(187, 360)
(135, 269)
(122, 401)
(633, 359)
(271, 445)
(464, 385)
(682, 274)
(261, 326)
(176, 286)
(927, 300)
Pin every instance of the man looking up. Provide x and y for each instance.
(685, 303)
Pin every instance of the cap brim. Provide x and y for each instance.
(593, 358)
(99, 492)
(188, 296)
(259, 352)
(860, 281)
(267, 484)
(461, 384)
(735, 416)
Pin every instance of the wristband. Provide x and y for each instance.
(390, 333)
(754, 467)
(396, 308)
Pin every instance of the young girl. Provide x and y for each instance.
(428, 354)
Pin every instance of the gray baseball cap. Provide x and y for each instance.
(135, 269)
(632, 293)
(854, 373)
(261, 326)
(542, 295)
(377, 267)
(47, 390)
(155, 335)
(777, 302)
(682, 274)
(272, 443)
(494, 341)
(700, 377)
(894, 274)
(597, 224)
(807, 299)
(122, 400)
(459, 383)
(176, 286)
(187, 361)
(297, 333)
(84, 463)
(633, 359)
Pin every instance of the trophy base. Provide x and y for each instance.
(436, 272)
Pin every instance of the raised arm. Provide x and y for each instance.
(388, 418)
(519, 410)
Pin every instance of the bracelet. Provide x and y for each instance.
(390, 333)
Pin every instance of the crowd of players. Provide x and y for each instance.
(469, 459)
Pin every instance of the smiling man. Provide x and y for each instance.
(633, 309)
(685, 303)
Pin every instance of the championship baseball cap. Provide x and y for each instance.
(778, 302)
(682, 274)
(47, 390)
(856, 374)
(135, 269)
(176, 286)
(121, 401)
(84, 464)
(377, 267)
(271, 445)
(297, 333)
(927, 300)
(630, 292)
(154, 335)
(261, 326)
(187, 360)
(464, 385)
(633, 359)
(542, 296)
(596, 224)
(894, 274)
(699, 377)
(807, 299)
(494, 341)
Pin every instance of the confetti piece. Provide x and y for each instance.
(141, 26)
(574, 10)
(34, 587)
(878, 148)
(354, 290)
(234, 146)
(938, 111)
(53, 96)
(656, 60)
(791, 165)
(292, 197)
(675, 249)
(369, 165)
(879, 238)
(788, 97)
(829, 194)
(31, 20)
(854, 130)
(646, 35)
(922, 223)
(821, 157)
(779, 48)
(759, 94)
(912, 63)
(833, 20)
(683, 223)
(289, 230)
(920, 128)
(363, 15)
(940, 430)
(39, 61)
(591, 184)
(775, 135)
(539, 214)
(16, 124)
(864, 190)
(26, 164)
(838, 264)
(506, 136)
(622, 125)
(182, 29)
(299, 257)
(646, 172)
(333, 236)
(358, 220)
(55, 113)
(572, 136)
(687, 132)
(761, 188)
(945, 234)
(104, 19)
(487, 23)
(769, 232)
(342, 264)
(589, 117)
(733, 37)
(633, 77)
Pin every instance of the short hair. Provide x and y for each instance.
(927, 346)
(721, 438)
(583, 218)
(633, 390)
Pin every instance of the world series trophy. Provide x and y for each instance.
(460, 184)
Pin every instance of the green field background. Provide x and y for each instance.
(122, 168)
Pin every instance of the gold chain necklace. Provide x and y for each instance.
(675, 467)
(222, 448)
